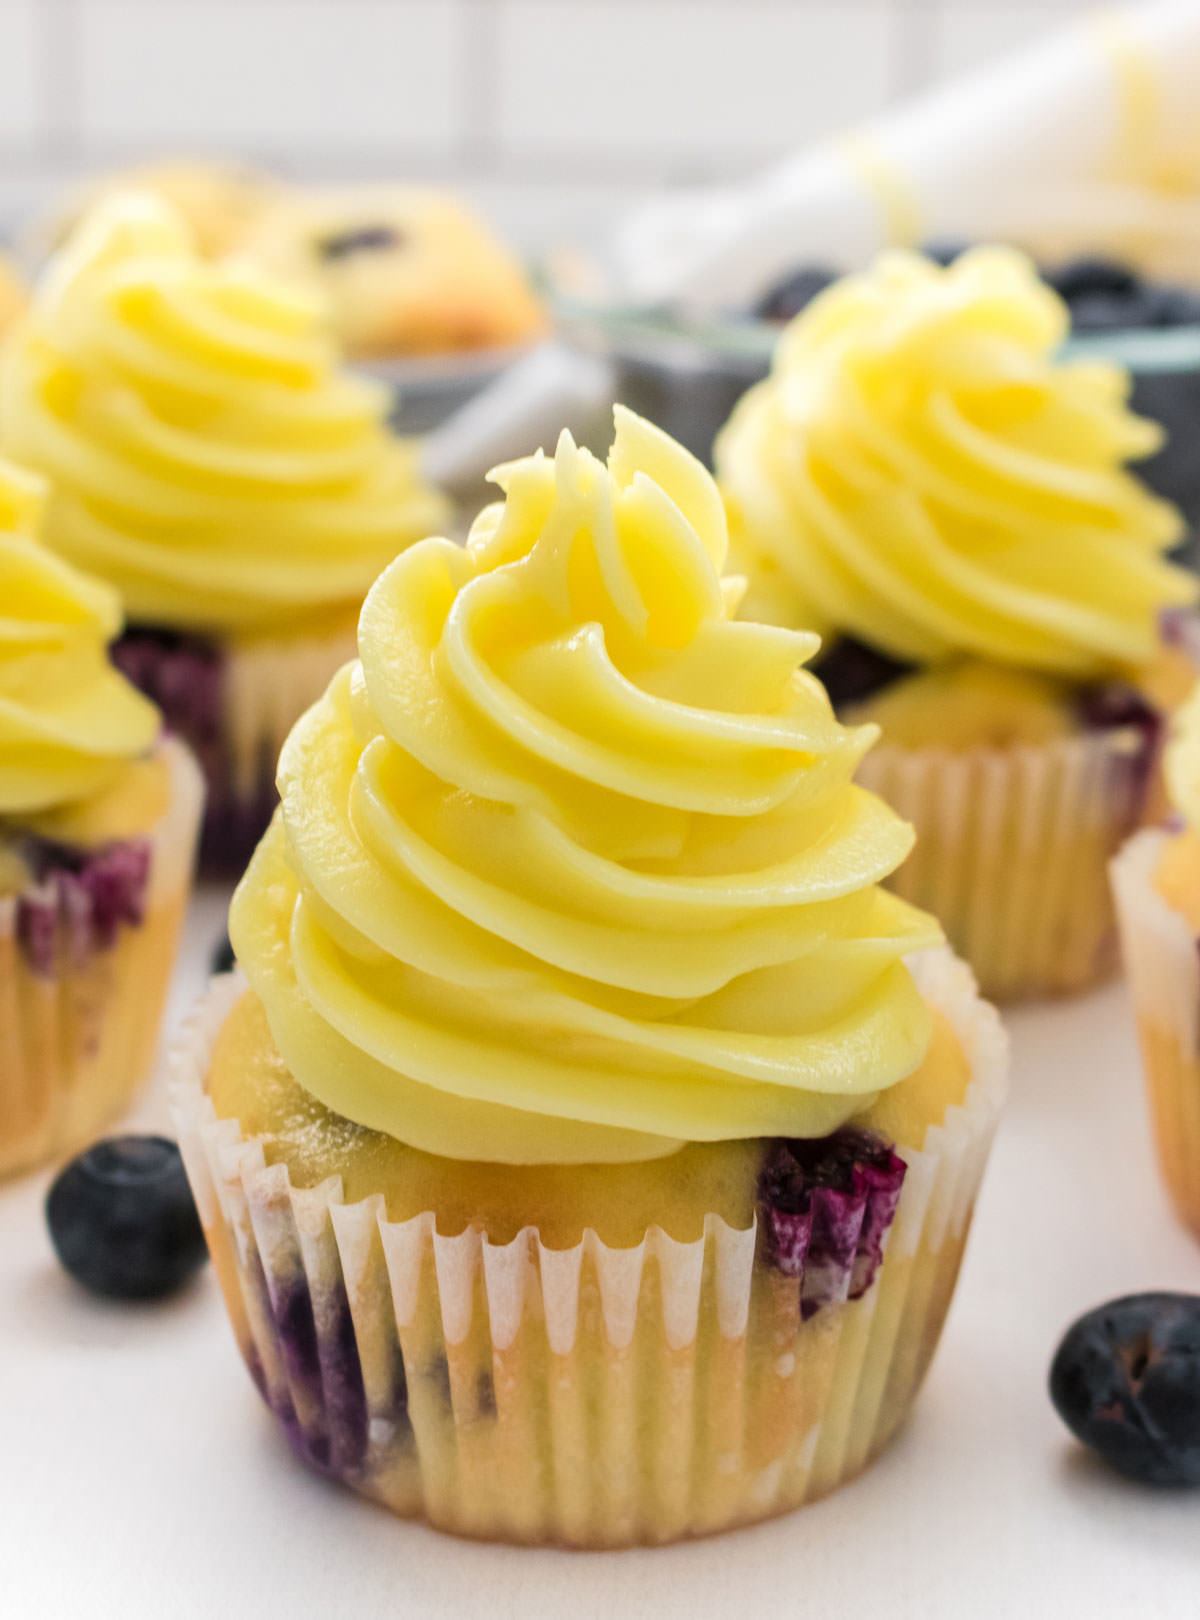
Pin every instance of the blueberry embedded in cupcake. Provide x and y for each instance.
(571, 980)
(922, 477)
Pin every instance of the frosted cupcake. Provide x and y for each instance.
(98, 822)
(949, 506)
(1156, 881)
(590, 1157)
(208, 457)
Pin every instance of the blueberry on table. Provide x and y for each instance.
(222, 959)
(122, 1220)
(1126, 1381)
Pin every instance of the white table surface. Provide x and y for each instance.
(140, 1477)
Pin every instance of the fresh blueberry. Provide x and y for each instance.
(1126, 1381)
(850, 671)
(122, 1220)
(1172, 306)
(944, 250)
(796, 292)
(1110, 312)
(1091, 275)
(222, 959)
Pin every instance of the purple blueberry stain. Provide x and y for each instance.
(1117, 706)
(438, 1374)
(185, 676)
(80, 900)
(825, 1206)
(332, 1382)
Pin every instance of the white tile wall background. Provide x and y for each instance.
(554, 113)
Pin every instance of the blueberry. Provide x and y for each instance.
(850, 671)
(1092, 275)
(944, 250)
(222, 959)
(795, 292)
(1172, 306)
(122, 1220)
(1108, 312)
(361, 239)
(1126, 1381)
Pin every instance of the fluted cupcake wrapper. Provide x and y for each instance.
(84, 968)
(1012, 850)
(595, 1396)
(233, 701)
(1162, 959)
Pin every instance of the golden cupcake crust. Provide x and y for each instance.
(407, 271)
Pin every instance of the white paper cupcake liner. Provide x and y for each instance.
(1012, 851)
(79, 1026)
(1162, 959)
(594, 1395)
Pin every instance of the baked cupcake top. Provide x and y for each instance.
(71, 727)
(921, 473)
(1181, 762)
(570, 866)
(207, 454)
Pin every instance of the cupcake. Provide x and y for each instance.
(406, 270)
(590, 1154)
(1156, 882)
(948, 505)
(220, 202)
(208, 457)
(98, 822)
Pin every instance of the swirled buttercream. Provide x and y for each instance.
(207, 455)
(69, 723)
(570, 866)
(920, 472)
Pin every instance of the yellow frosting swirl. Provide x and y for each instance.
(207, 455)
(921, 473)
(570, 866)
(1181, 762)
(70, 725)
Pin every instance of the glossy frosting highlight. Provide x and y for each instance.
(208, 455)
(70, 725)
(570, 866)
(920, 472)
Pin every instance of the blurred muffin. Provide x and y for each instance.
(209, 457)
(590, 1160)
(218, 200)
(405, 271)
(948, 504)
(98, 823)
(1156, 880)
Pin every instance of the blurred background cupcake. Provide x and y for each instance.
(98, 823)
(208, 455)
(1156, 880)
(924, 483)
(566, 956)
